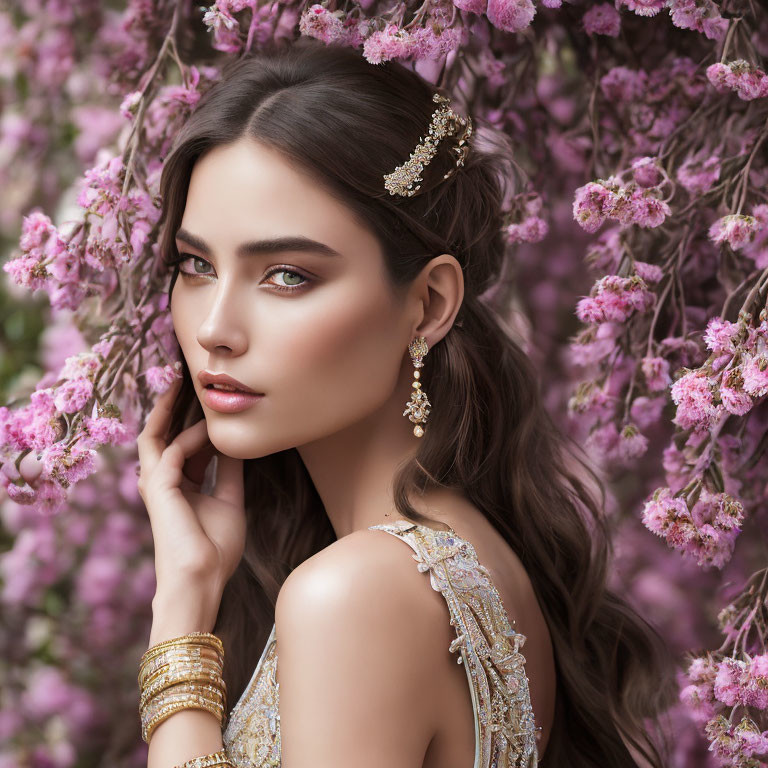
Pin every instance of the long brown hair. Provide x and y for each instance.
(347, 122)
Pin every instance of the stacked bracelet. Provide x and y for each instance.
(217, 759)
(182, 673)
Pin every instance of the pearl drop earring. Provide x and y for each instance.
(417, 408)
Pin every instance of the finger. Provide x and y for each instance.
(151, 441)
(180, 449)
(229, 480)
(196, 465)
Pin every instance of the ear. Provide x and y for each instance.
(440, 290)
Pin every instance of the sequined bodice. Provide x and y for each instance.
(505, 730)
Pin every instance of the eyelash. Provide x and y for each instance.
(182, 257)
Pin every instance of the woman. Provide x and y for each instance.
(329, 283)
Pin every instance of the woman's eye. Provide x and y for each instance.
(289, 279)
(198, 264)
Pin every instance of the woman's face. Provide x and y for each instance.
(313, 326)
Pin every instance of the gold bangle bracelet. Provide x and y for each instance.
(195, 680)
(193, 638)
(201, 640)
(170, 709)
(178, 653)
(182, 654)
(180, 673)
(183, 692)
(212, 760)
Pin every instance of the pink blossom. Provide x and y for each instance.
(103, 430)
(647, 210)
(727, 688)
(754, 371)
(99, 578)
(69, 464)
(46, 693)
(646, 411)
(720, 76)
(646, 172)
(735, 229)
(696, 699)
(693, 395)
(702, 670)
(473, 6)
(321, 23)
(656, 372)
(698, 173)
(388, 43)
(720, 335)
(429, 44)
(740, 76)
(642, 7)
(73, 394)
(602, 19)
(592, 204)
(735, 400)
(756, 689)
(650, 273)
(621, 84)
(632, 443)
(660, 512)
(531, 230)
(603, 441)
(699, 15)
(160, 378)
(510, 15)
(757, 249)
(594, 401)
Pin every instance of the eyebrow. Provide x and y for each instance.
(257, 247)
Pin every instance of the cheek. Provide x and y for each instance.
(182, 321)
(349, 351)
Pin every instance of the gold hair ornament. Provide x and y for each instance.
(445, 122)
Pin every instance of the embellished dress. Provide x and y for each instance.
(505, 731)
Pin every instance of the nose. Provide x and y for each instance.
(221, 327)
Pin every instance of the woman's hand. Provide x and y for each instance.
(199, 538)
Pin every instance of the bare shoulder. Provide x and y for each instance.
(367, 576)
(358, 632)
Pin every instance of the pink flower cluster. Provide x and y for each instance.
(613, 299)
(706, 531)
(394, 42)
(599, 200)
(745, 233)
(700, 15)
(702, 395)
(715, 683)
(38, 462)
(699, 172)
(602, 19)
(747, 81)
(71, 267)
(531, 228)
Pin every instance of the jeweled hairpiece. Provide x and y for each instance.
(445, 122)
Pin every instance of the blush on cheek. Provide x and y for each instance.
(346, 366)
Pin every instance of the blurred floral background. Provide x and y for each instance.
(637, 278)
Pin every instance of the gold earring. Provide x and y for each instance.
(417, 408)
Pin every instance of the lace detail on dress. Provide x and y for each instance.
(505, 730)
(252, 735)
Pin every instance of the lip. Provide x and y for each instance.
(207, 377)
(229, 402)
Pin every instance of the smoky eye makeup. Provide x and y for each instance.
(291, 273)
